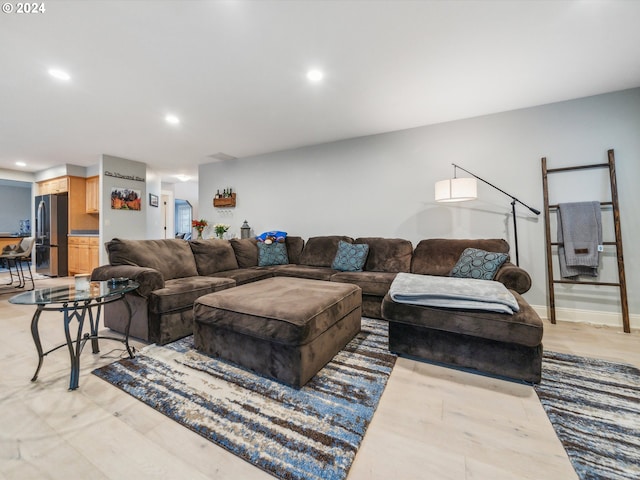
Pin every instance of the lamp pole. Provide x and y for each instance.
(513, 206)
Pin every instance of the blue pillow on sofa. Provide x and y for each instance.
(276, 234)
(476, 263)
(350, 257)
(272, 254)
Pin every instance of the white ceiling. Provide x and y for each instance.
(234, 72)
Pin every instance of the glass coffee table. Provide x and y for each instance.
(76, 305)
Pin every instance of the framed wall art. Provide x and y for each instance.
(125, 199)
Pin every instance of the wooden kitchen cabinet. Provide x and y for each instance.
(79, 219)
(83, 254)
(55, 185)
(73, 255)
(93, 195)
(94, 252)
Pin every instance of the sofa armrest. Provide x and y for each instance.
(513, 277)
(148, 278)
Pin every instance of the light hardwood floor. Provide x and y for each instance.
(432, 422)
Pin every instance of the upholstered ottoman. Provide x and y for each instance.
(494, 343)
(284, 328)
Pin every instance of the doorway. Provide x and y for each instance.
(183, 218)
(167, 214)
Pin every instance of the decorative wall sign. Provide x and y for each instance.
(125, 199)
(124, 177)
(153, 200)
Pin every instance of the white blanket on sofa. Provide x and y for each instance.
(452, 292)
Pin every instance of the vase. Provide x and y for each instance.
(219, 235)
(199, 235)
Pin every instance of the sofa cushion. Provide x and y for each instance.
(179, 294)
(350, 257)
(320, 251)
(303, 271)
(213, 256)
(371, 283)
(437, 256)
(387, 254)
(173, 258)
(272, 254)
(479, 264)
(246, 251)
(245, 275)
(522, 328)
(294, 248)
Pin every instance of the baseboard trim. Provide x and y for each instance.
(594, 317)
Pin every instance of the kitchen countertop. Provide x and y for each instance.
(84, 233)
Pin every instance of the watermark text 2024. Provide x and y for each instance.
(21, 8)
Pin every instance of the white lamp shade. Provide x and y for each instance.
(456, 190)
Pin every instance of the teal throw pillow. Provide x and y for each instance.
(350, 257)
(476, 263)
(272, 254)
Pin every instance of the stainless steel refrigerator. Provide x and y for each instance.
(51, 234)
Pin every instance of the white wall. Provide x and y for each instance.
(383, 185)
(153, 215)
(16, 202)
(121, 223)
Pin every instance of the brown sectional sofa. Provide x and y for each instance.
(174, 273)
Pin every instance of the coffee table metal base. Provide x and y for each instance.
(78, 311)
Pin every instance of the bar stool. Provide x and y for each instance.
(15, 256)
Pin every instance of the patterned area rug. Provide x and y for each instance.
(594, 407)
(310, 433)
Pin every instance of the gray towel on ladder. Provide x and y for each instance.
(579, 235)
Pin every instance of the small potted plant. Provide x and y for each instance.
(220, 229)
(199, 225)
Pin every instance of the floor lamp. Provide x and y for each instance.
(463, 189)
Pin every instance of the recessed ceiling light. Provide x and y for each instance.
(21, 164)
(172, 119)
(315, 75)
(59, 74)
(183, 178)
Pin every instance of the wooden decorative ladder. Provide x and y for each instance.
(621, 284)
